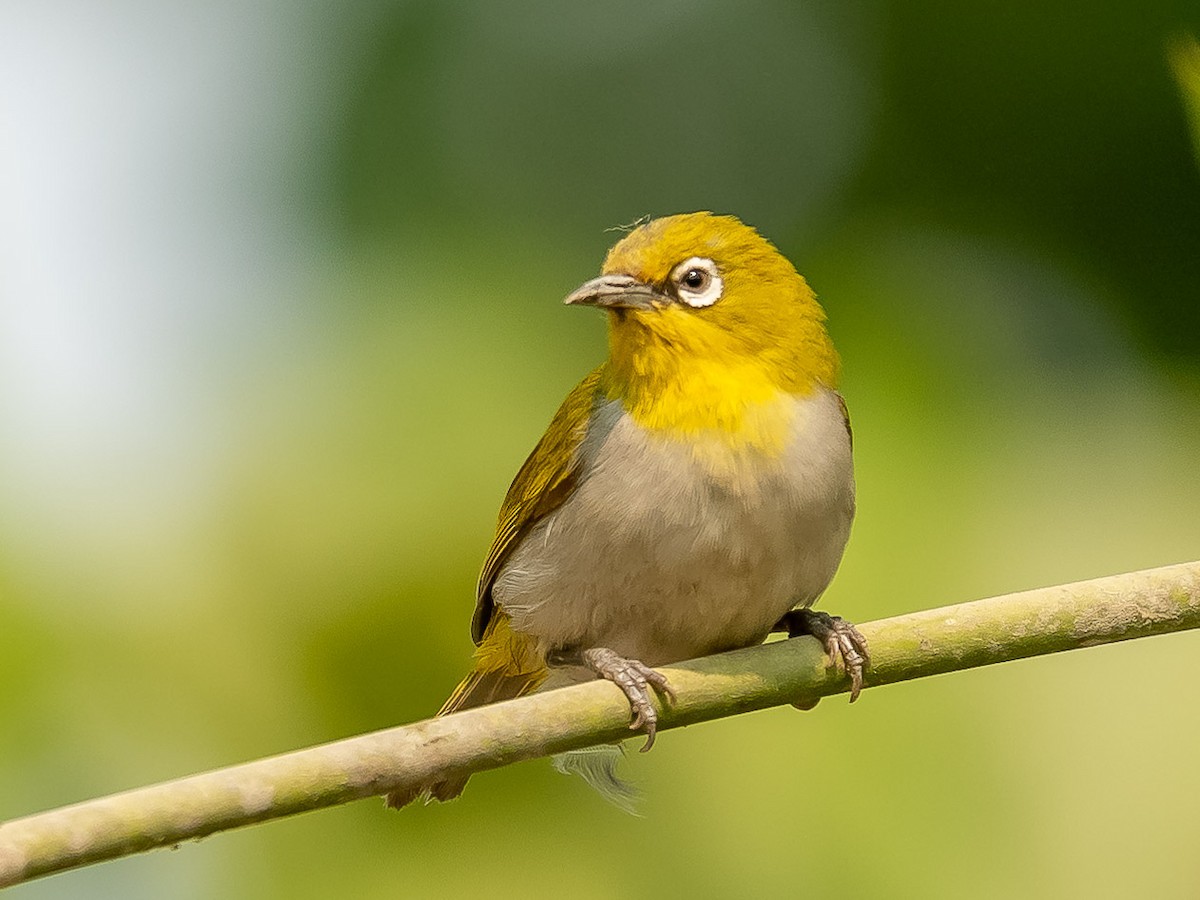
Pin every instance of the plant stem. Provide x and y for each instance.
(948, 639)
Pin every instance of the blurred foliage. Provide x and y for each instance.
(1185, 60)
(320, 315)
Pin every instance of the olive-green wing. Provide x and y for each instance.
(545, 480)
(845, 416)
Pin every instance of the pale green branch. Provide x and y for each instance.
(912, 646)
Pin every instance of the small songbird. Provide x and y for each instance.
(692, 494)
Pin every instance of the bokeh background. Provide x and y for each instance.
(279, 320)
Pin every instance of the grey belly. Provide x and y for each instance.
(661, 557)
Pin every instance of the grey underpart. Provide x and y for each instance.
(598, 767)
(633, 677)
(712, 546)
(839, 638)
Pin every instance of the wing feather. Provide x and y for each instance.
(543, 483)
(845, 416)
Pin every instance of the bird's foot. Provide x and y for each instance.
(839, 638)
(635, 679)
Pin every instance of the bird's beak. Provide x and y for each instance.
(616, 292)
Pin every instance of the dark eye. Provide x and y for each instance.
(698, 281)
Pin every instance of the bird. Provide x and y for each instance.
(693, 494)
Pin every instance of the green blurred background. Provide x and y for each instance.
(279, 321)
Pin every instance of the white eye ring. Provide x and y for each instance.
(697, 281)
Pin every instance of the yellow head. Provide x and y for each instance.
(708, 321)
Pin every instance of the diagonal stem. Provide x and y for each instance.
(952, 638)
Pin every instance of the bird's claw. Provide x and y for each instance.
(840, 639)
(635, 679)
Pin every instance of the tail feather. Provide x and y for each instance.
(507, 665)
(484, 686)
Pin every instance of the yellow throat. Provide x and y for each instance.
(726, 369)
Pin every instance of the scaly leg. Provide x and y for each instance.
(634, 678)
(839, 638)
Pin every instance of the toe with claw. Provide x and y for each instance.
(839, 638)
(635, 679)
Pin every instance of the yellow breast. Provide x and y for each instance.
(681, 379)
